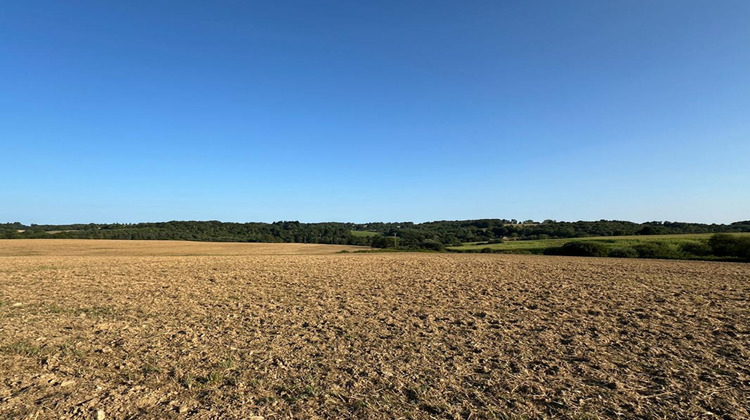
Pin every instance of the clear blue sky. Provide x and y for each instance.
(128, 111)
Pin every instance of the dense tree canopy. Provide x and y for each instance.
(430, 235)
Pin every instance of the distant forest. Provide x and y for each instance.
(406, 235)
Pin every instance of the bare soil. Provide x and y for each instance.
(111, 248)
(134, 330)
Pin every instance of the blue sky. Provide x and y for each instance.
(374, 111)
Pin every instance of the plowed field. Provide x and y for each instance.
(151, 330)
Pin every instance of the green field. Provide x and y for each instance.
(363, 233)
(538, 246)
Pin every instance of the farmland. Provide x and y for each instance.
(363, 233)
(174, 329)
(112, 248)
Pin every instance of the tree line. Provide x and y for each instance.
(406, 235)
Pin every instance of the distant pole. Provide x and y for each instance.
(395, 240)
